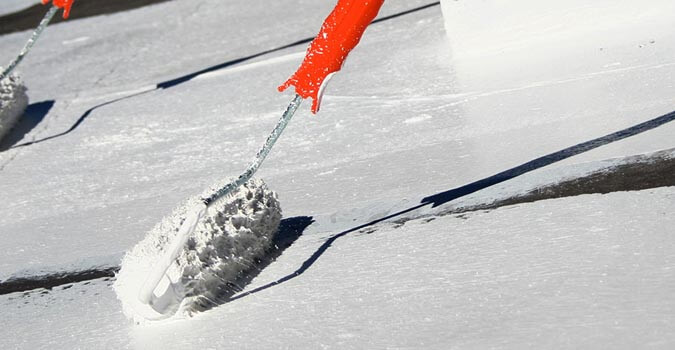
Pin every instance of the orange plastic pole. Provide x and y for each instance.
(339, 34)
(64, 4)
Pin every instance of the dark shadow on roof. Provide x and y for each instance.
(32, 116)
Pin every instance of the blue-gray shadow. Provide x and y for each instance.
(32, 116)
(447, 196)
(455, 193)
(80, 120)
(290, 229)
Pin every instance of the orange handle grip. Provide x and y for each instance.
(64, 4)
(339, 34)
